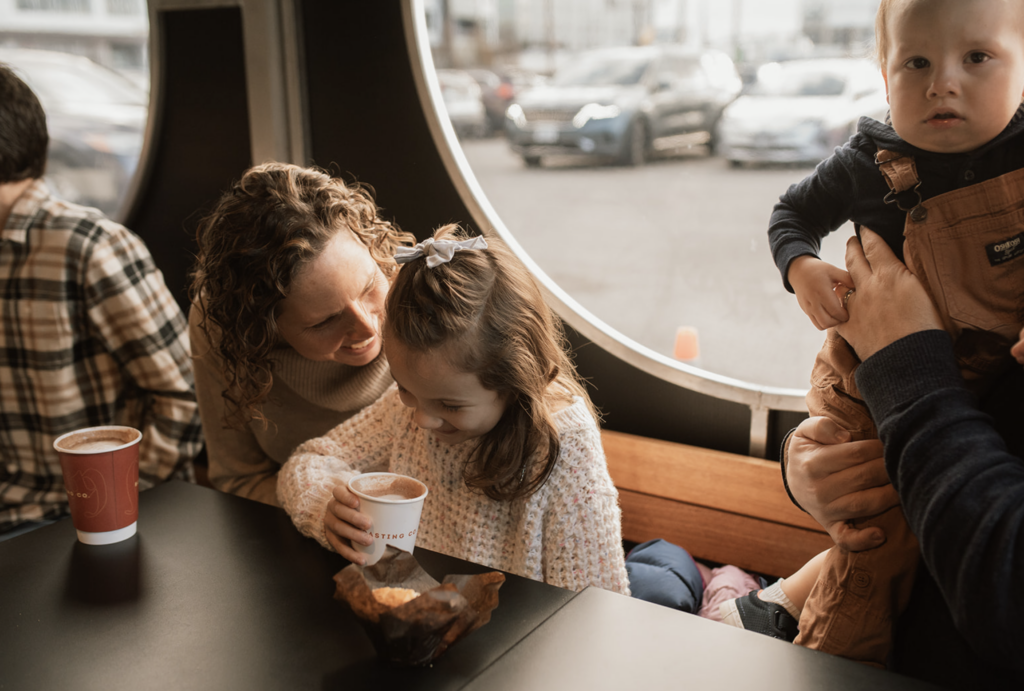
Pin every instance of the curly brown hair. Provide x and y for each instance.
(485, 313)
(272, 222)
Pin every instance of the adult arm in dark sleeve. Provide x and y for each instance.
(962, 490)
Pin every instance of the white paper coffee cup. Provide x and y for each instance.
(394, 504)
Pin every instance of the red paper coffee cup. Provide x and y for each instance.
(101, 478)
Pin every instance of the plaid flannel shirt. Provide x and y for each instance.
(90, 336)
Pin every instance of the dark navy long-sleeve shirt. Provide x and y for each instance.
(849, 187)
(959, 472)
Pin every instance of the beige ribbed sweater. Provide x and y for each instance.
(568, 533)
(307, 399)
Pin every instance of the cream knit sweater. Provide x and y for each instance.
(568, 533)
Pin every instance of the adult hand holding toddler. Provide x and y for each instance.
(836, 480)
(889, 302)
(833, 479)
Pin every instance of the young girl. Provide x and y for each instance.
(488, 413)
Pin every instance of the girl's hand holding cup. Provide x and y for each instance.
(344, 524)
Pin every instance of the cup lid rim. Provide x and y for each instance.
(98, 428)
(369, 497)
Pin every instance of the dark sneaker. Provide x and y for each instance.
(754, 614)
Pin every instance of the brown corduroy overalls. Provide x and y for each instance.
(967, 248)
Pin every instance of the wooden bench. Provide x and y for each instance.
(720, 507)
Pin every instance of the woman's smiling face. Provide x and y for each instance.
(335, 305)
(451, 404)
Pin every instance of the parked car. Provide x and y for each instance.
(800, 111)
(96, 119)
(616, 102)
(462, 100)
(496, 92)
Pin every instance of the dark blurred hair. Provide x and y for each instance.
(272, 222)
(484, 312)
(23, 136)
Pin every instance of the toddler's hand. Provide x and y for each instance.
(344, 524)
(814, 283)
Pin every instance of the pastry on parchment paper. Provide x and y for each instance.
(393, 597)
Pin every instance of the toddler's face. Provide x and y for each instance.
(451, 404)
(954, 72)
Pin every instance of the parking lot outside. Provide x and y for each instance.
(681, 241)
(677, 242)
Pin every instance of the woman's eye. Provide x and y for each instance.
(322, 325)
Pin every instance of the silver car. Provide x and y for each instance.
(463, 102)
(800, 111)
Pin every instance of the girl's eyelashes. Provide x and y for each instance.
(447, 408)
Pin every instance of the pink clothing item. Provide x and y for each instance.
(721, 584)
(705, 575)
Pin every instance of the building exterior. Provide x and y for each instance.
(114, 33)
(538, 34)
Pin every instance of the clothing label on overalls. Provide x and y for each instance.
(1005, 250)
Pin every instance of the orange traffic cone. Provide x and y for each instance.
(687, 347)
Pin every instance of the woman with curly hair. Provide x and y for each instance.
(287, 299)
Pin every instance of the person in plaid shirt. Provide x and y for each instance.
(90, 333)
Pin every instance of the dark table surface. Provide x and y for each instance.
(217, 592)
(639, 645)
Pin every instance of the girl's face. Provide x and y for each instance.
(954, 72)
(451, 404)
(335, 305)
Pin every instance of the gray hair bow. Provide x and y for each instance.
(438, 251)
